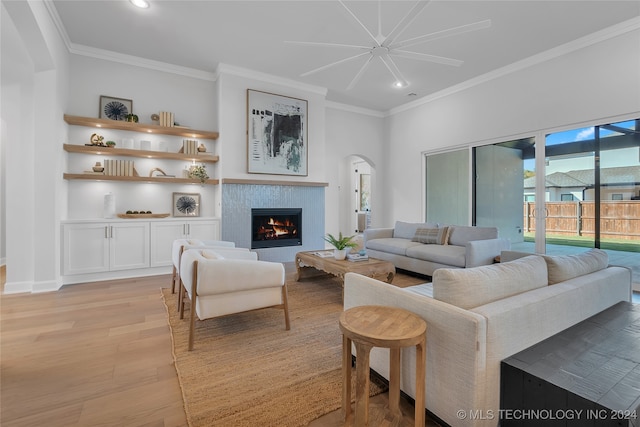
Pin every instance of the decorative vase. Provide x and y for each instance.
(339, 254)
(202, 148)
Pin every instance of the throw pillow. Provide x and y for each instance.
(472, 287)
(432, 236)
(567, 267)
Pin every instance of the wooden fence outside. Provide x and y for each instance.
(618, 219)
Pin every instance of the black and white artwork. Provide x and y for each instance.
(276, 134)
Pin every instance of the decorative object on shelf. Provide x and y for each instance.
(110, 144)
(155, 118)
(202, 148)
(166, 119)
(113, 167)
(199, 172)
(186, 204)
(109, 209)
(189, 146)
(132, 118)
(341, 244)
(276, 134)
(98, 167)
(96, 139)
(142, 214)
(115, 108)
(162, 173)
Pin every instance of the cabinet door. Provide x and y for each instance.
(129, 245)
(162, 236)
(85, 248)
(204, 230)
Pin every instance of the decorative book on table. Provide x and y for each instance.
(357, 257)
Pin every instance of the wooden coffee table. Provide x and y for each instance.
(375, 268)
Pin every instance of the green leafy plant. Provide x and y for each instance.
(200, 172)
(342, 242)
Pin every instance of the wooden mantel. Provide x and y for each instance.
(269, 182)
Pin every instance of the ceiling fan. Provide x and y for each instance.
(384, 47)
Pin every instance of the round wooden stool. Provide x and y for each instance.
(371, 326)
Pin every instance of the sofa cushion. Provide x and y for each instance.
(473, 287)
(432, 236)
(440, 254)
(567, 267)
(392, 245)
(406, 230)
(460, 234)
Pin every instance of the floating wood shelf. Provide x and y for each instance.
(139, 127)
(91, 149)
(94, 177)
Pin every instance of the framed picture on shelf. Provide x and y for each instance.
(186, 204)
(115, 108)
(276, 134)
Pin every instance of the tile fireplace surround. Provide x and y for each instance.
(238, 198)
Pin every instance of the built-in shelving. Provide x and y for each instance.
(92, 149)
(167, 180)
(139, 127)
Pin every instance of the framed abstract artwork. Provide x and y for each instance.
(186, 204)
(276, 134)
(115, 108)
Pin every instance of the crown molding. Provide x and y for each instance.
(581, 43)
(268, 78)
(136, 61)
(354, 109)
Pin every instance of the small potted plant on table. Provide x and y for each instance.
(341, 244)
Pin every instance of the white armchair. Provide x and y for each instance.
(180, 245)
(218, 286)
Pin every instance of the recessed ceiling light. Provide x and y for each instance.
(142, 4)
(400, 84)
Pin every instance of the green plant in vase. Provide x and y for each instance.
(341, 244)
(199, 172)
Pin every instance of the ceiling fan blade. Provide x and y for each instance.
(360, 23)
(346, 46)
(427, 57)
(324, 67)
(360, 73)
(393, 68)
(444, 33)
(405, 22)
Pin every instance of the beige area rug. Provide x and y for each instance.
(247, 370)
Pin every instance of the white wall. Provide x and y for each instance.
(591, 84)
(34, 96)
(351, 133)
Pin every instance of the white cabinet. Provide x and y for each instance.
(97, 247)
(163, 233)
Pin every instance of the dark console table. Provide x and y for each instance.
(586, 375)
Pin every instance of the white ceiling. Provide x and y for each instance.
(252, 34)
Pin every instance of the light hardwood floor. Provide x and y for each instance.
(99, 354)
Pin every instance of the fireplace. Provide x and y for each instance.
(276, 227)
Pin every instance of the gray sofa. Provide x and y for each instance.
(465, 246)
(477, 317)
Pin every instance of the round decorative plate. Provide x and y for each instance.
(187, 205)
(116, 110)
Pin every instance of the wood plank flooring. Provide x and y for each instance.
(100, 354)
(89, 354)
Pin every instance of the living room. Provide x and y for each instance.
(45, 77)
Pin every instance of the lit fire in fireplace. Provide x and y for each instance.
(282, 228)
(276, 227)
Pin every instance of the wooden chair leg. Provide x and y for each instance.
(285, 303)
(192, 323)
(173, 280)
(181, 297)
